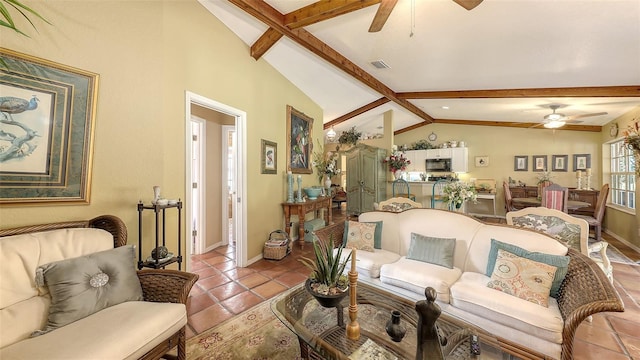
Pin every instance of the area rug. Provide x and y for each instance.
(256, 334)
(614, 255)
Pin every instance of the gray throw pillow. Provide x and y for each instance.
(433, 250)
(87, 284)
(561, 262)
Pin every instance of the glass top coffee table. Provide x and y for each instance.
(320, 337)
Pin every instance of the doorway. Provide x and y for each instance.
(209, 161)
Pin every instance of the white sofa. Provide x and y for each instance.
(462, 290)
(147, 328)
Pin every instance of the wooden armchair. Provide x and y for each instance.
(570, 230)
(508, 199)
(595, 221)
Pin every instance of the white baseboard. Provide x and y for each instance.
(622, 240)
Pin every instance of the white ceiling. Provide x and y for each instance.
(501, 44)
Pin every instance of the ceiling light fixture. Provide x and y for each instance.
(554, 124)
(331, 134)
(380, 64)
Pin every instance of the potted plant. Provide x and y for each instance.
(327, 283)
(349, 137)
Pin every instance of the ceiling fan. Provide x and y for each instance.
(384, 10)
(556, 120)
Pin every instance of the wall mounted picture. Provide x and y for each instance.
(581, 162)
(482, 161)
(559, 162)
(299, 141)
(539, 162)
(520, 163)
(269, 162)
(47, 120)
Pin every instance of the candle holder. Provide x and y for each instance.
(353, 329)
(299, 199)
(289, 187)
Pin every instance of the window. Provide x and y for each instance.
(623, 167)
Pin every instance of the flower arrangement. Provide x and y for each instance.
(457, 192)
(544, 176)
(632, 136)
(397, 161)
(325, 164)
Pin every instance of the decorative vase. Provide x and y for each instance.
(327, 184)
(327, 301)
(395, 330)
(398, 174)
(156, 194)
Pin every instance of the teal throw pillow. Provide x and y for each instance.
(561, 262)
(432, 250)
(377, 236)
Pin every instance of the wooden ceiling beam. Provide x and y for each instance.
(600, 91)
(384, 10)
(324, 10)
(265, 42)
(537, 126)
(356, 112)
(265, 13)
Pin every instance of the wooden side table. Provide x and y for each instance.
(301, 209)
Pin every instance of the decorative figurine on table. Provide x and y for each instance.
(429, 342)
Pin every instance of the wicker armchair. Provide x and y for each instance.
(157, 285)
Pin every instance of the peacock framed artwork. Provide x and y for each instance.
(47, 121)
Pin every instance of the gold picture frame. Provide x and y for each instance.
(269, 158)
(299, 141)
(54, 126)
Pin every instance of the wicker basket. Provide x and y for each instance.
(277, 252)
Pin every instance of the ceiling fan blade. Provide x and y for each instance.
(468, 4)
(384, 10)
(574, 117)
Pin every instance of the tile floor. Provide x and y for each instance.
(224, 291)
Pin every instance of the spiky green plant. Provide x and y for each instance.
(6, 19)
(327, 268)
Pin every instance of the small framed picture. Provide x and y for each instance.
(581, 161)
(559, 162)
(482, 161)
(520, 163)
(269, 163)
(539, 162)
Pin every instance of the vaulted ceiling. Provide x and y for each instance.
(502, 63)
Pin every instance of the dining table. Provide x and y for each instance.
(522, 203)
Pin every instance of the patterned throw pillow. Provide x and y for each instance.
(361, 235)
(527, 279)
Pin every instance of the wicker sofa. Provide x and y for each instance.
(147, 328)
(529, 330)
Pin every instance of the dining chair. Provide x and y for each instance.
(508, 199)
(595, 220)
(556, 197)
(437, 193)
(403, 189)
(397, 204)
(570, 230)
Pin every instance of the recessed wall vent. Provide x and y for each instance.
(379, 64)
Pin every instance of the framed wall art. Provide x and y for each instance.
(559, 162)
(482, 161)
(47, 120)
(299, 141)
(520, 163)
(269, 163)
(581, 161)
(539, 162)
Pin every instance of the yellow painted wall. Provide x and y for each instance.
(148, 53)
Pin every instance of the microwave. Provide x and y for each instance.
(438, 165)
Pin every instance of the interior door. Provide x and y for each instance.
(353, 187)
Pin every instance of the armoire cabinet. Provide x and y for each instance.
(366, 178)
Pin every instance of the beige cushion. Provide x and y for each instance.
(360, 236)
(369, 263)
(130, 329)
(22, 310)
(518, 276)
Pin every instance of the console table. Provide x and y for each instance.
(301, 209)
